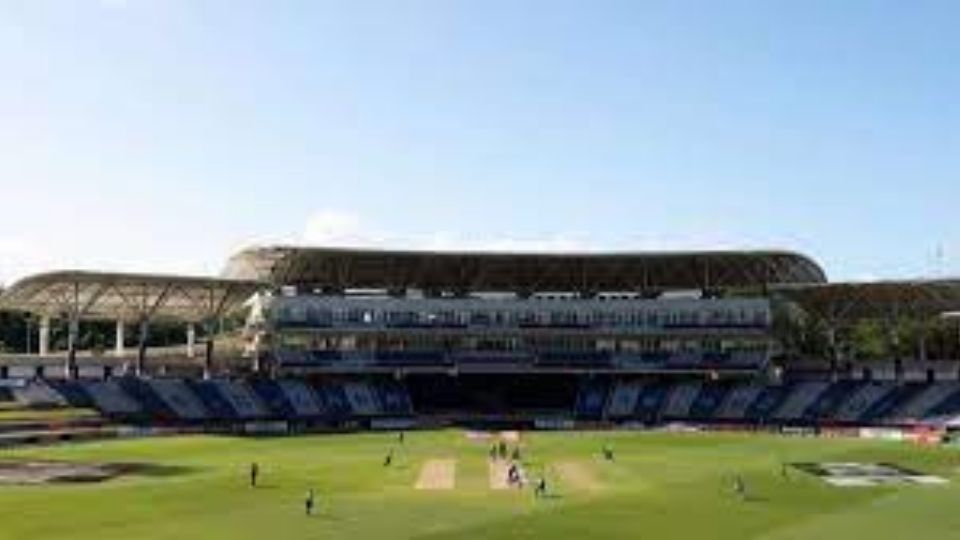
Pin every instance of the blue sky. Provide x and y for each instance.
(161, 135)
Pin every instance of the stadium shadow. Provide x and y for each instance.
(148, 469)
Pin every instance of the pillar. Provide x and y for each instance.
(142, 347)
(43, 348)
(209, 331)
(191, 339)
(894, 341)
(73, 335)
(118, 342)
(208, 358)
(257, 364)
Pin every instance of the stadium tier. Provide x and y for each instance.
(353, 399)
(347, 337)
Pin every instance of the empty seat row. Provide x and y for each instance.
(175, 400)
(807, 402)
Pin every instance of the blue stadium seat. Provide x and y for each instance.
(325, 356)
(411, 358)
(394, 397)
(767, 402)
(651, 401)
(575, 358)
(892, 401)
(948, 407)
(335, 402)
(829, 400)
(710, 397)
(150, 402)
(273, 397)
(73, 392)
(591, 399)
(218, 407)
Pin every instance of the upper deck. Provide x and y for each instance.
(460, 273)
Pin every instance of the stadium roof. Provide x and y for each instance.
(341, 268)
(881, 299)
(129, 297)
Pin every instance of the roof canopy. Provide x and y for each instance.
(520, 272)
(918, 299)
(128, 297)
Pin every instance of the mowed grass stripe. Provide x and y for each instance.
(578, 477)
(437, 474)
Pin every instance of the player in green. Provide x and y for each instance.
(308, 502)
(254, 474)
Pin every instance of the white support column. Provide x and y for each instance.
(208, 349)
(142, 347)
(118, 349)
(191, 340)
(43, 348)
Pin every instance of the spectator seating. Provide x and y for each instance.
(73, 392)
(747, 359)
(411, 358)
(394, 398)
(679, 400)
(241, 398)
(737, 401)
(37, 393)
(925, 401)
(948, 406)
(518, 358)
(574, 358)
(883, 408)
(212, 399)
(273, 398)
(151, 404)
(623, 399)
(334, 400)
(363, 400)
(829, 400)
(591, 399)
(856, 404)
(301, 398)
(109, 398)
(650, 401)
(169, 399)
(179, 398)
(708, 400)
(801, 397)
(768, 402)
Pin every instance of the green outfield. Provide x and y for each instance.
(441, 485)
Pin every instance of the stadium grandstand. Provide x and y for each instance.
(322, 337)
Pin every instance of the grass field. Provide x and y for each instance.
(16, 413)
(660, 486)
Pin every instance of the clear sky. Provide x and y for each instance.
(162, 135)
